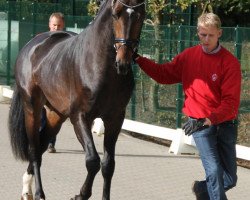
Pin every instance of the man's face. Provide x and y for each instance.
(56, 24)
(209, 36)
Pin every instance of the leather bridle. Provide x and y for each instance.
(131, 43)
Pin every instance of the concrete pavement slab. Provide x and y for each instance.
(144, 170)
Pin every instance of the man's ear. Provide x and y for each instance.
(220, 33)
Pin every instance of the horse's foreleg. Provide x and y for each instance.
(108, 167)
(84, 135)
(112, 130)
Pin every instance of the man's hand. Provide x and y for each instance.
(193, 125)
(135, 56)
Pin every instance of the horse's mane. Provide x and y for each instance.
(102, 4)
(99, 16)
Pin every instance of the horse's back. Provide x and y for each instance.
(35, 50)
(43, 43)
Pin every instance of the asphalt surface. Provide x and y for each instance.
(144, 170)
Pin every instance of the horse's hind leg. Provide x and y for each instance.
(112, 130)
(52, 127)
(27, 184)
(32, 111)
(82, 129)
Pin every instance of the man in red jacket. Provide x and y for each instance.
(211, 78)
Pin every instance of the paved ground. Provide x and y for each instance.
(144, 171)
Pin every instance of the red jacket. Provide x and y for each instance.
(211, 82)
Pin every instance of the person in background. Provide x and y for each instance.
(211, 78)
(56, 23)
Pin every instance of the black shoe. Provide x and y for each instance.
(51, 149)
(200, 195)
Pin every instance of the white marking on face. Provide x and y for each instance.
(130, 11)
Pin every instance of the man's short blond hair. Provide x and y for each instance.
(209, 19)
(58, 15)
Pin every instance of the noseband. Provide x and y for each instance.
(132, 44)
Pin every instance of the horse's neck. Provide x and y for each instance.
(101, 28)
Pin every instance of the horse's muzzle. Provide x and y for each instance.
(122, 68)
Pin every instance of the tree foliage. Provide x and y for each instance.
(227, 5)
(155, 10)
(158, 9)
(92, 7)
(227, 8)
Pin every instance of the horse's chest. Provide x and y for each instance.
(117, 92)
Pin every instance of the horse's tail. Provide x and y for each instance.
(17, 130)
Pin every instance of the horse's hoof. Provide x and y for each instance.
(27, 197)
(78, 197)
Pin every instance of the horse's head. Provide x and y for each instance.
(128, 16)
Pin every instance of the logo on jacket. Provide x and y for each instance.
(214, 77)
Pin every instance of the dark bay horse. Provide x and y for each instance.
(80, 77)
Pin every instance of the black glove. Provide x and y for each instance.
(193, 125)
